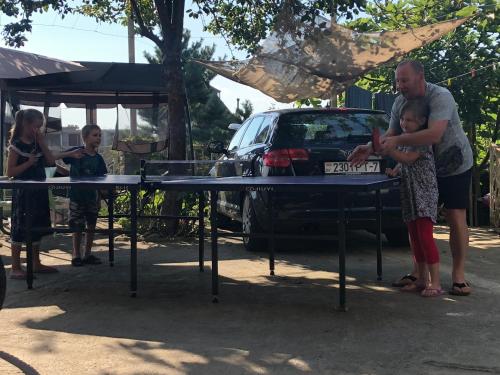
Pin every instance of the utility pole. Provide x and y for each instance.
(333, 21)
(131, 59)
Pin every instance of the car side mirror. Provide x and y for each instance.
(234, 126)
(217, 147)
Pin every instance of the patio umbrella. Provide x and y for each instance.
(16, 64)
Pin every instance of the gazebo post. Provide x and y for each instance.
(2, 128)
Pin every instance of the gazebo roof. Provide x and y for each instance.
(104, 83)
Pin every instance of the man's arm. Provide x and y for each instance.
(429, 136)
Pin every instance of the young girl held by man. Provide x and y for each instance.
(419, 199)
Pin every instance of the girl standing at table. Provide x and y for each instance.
(28, 155)
(419, 199)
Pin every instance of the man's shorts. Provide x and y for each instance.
(454, 190)
(81, 214)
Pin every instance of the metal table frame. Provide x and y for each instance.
(110, 183)
(341, 185)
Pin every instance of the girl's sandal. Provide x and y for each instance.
(432, 292)
(405, 280)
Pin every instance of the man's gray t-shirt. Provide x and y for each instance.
(453, 155)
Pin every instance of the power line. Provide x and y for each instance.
(472, 73)
(109, 34)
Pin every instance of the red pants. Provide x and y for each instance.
(422, 241)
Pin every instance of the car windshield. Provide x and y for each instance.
(309, 129)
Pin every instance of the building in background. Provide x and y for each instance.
(70, 136)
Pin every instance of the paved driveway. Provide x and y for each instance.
(82, 321)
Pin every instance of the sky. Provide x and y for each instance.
(80, 38)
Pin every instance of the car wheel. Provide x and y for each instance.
(224, 222)
(249, 226)
(397, 237)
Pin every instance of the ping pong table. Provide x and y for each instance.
(109, 183)
(339, 185)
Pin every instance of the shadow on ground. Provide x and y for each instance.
(283, 324)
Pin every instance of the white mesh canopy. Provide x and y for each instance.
(289, 67)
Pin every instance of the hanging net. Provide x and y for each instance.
(289, 67)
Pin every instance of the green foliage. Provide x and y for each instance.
(472, 46)
(209, 116)
(22, 11)
(313, 102)
(151, 203)
(246, 23)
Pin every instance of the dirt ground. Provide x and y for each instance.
(83, 321)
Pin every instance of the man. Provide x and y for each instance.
(452, 154)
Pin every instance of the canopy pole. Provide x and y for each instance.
(91, 114)
(2, 129)
(131, 59)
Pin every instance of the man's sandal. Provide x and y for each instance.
(457, 289)
(405, 280)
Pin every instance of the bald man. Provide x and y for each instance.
(452, 155)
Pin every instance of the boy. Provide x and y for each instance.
(84, 203)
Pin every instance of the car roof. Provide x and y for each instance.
(321, 110)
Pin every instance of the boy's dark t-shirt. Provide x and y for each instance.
(87, 166)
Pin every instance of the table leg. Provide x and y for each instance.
(201, 230)
(111, 235)
(29, 241)
(133, 242)
(379, 234)
(271, 233)
(341, 245)
(213, 236)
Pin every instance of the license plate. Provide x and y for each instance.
(344, 167)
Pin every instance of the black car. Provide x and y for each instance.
(304, 142)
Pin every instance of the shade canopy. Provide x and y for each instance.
(16, 64)
(101, 85)
(291, 66)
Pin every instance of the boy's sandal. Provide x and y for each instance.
(460, 289)
(76, 262)
(91, 259)
(413, 288)
(405, 280)
(432, 292)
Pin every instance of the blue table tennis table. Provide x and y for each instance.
(339, 185)
(109, 183)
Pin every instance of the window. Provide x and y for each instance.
(237, 137)
(251, 132)
(264, 130)
(73, 139)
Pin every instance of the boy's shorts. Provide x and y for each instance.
(81, 214)
(454, 190)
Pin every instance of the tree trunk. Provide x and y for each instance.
(176, 97)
